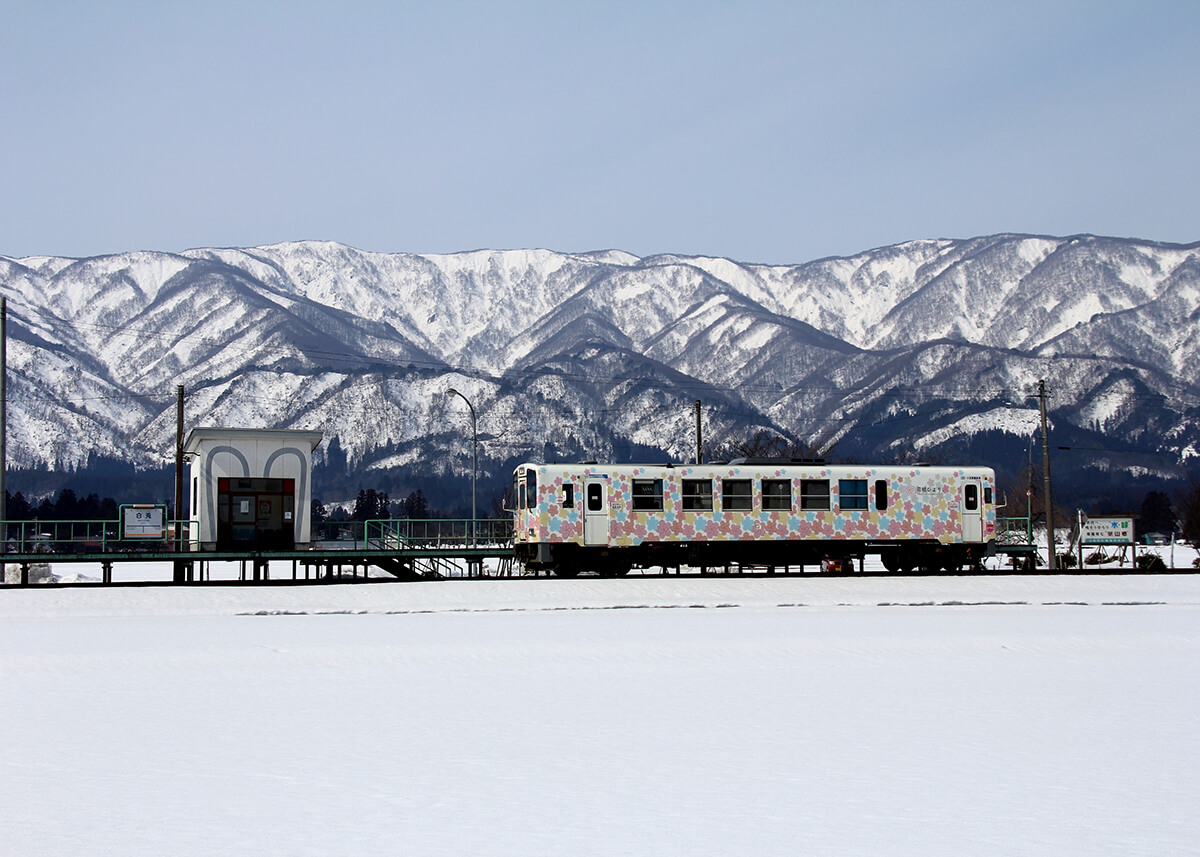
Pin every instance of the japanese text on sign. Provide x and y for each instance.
(1108, 531)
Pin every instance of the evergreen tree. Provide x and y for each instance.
(1156, 516)
(67, 507)
(415, 505)
(17, 507)
(1189, 506)
(370, 505)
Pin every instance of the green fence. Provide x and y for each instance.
(64, 537)
(30, 537)
(1014, 531)
(405, 534)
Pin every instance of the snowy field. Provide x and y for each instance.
(676, 716)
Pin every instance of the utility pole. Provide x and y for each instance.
(699, 438)
(178, 462)
(3, 427)
(474, 456)
(1053, 558)
(183, 571)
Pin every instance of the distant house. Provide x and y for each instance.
(251, 489)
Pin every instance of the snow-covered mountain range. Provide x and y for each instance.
(927, 349)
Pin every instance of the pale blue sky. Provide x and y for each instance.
(762, 131)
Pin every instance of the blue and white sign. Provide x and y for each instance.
(1108, 531)
(144, 522)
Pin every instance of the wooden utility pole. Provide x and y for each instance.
(1053, 558)
(180, 570)
(699, 438)
(3, 428)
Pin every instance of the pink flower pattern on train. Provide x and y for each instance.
(921, 505)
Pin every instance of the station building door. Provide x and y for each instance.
(256, 514)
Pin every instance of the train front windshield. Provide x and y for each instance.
(525, 489)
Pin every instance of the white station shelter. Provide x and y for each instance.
(251, 489)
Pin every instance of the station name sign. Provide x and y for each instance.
(143, 522)
(1108, 531)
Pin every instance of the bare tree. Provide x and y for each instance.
(1188, 500)
(765, 444)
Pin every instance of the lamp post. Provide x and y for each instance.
(474, 455)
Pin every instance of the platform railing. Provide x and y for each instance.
(413, 533)
(80, 537)
(1014, 531)
(87, 536)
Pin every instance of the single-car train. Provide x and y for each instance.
(610, 518)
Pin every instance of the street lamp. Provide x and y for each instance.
(474, 455)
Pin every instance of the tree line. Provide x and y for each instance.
(373, 505)
(66, 506)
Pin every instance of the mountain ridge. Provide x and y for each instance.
(601, 354)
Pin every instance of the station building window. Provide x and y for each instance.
(814, 494)
(777, 495)
(737, 495)
(697, 495)
(647, 495)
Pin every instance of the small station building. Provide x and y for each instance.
(251, 489)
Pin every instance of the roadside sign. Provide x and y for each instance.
(144, 522)
(1108, 531)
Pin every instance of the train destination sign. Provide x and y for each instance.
(1108, 531)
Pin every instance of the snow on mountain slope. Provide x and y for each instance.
(595, 353)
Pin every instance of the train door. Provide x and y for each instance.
(972, 510)
(595, 512)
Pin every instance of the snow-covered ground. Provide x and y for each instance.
(680, 716)
(1119, 559)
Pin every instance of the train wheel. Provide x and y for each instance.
(565, 571)
(891, 560)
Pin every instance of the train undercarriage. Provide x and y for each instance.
(921, 557)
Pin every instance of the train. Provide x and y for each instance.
(611, 518)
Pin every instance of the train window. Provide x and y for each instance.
(531, 488)
(987, 495)
(697, 495)
(595, 497)
(814, 493)
(568, 497)
(777, 494)
(852, 493)
(737, 494)
(971, 497)
(647, 495)
(519, 491)
(881, 495)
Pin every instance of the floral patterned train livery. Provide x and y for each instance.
(609, 518)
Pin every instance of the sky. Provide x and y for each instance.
(775, 132)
